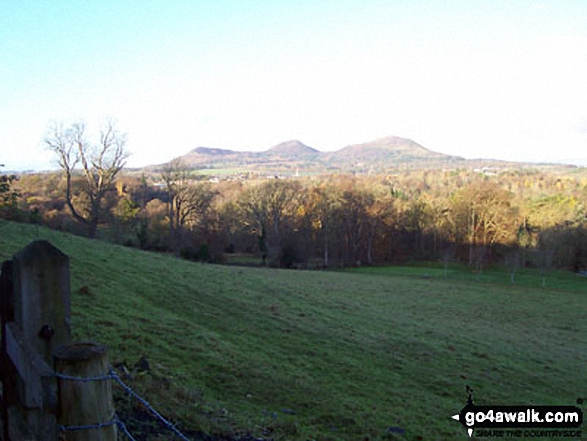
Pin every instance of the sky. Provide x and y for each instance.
(479, 79)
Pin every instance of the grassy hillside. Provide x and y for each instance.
(298, 355)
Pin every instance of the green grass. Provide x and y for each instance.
(236, 349)
(242, 259)
(494, 275)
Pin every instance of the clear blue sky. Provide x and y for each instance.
(494, 79)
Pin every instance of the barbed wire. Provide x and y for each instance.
(122, 427)
(88, 426)
(150, 408)
(112, 375)
(108, 376)
(116, 421)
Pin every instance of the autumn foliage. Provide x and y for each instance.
(537, 216)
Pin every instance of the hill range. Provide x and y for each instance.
(294, 157)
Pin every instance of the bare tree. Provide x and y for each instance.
(448, 256)
(266, 209)
(546, 255)
(482, 213)
(512, 262)
(187, 202)
(175, 176)
(324, 205)
(100, 164)
(480, 255)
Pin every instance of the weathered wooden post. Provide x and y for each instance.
(40, 323)
(42, 297)
(7, 370)
(39, 405)
(86, 407)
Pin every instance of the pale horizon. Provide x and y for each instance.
(481, 79)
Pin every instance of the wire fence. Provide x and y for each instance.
(112, 375)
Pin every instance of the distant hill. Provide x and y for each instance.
(390, 146)
(382, 155)
(292, 148)
(211, 151)
(387, 151)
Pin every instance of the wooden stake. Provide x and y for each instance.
(85, 403)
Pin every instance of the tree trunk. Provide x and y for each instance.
(326, 249)
(92, 228)
(471, 237)
(93, 217)
(370, 239)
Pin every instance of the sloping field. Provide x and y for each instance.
(299, 355)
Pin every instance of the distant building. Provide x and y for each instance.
(487, 171)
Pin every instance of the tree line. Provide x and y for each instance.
(517, 217)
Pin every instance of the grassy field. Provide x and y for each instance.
(494, 275)
(377, 354)
(220, 171)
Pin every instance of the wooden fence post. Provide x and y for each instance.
(7, 370)
(85, 403)
(45, 395)
(42, 297)
(36, 320)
